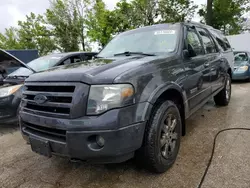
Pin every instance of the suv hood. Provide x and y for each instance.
(98, 71)
(7, 61)
(7, 57)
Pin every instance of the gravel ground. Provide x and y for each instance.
(20, 167)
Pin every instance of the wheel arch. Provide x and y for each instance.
(174, 93)
(229, 71)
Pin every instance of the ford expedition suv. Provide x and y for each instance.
(131, 100)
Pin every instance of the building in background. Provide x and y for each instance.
(240, 42)
(246, 26)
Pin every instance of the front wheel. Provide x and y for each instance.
(162, 138)
(224, 96)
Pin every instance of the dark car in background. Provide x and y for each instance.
(241, 65)
(13, 72)
(132, 100)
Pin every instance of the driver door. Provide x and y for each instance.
(197, 84)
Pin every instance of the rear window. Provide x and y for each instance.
(222, 41)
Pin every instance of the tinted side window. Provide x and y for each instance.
(72, 59)
(87, 57)
(207, 41)
(194, 42)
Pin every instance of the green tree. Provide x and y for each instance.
(209, 14)
(145, 11)
(9, 40)
(227, 15)
(139, 13)
(68, 21)
(123, 16)
(34, 34)
(100, 23)
(176, 10)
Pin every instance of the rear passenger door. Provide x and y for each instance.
(197, 85)
(214, 60)
(224, 46)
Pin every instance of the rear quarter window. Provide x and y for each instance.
(221, 40)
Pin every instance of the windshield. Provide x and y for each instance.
(240, 57)
(40, 64)
(44, 63)
(154, 40)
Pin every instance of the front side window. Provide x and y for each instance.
(72, 59)
(87, 57)
(207, 41)
(154, 40)
(194, 42)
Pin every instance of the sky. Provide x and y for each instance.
(13, 10)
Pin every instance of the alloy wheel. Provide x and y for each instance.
(168, 136)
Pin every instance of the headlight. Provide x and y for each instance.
(106, 97)
(9, 90)
(243, 68)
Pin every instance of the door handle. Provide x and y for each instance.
(206, 65)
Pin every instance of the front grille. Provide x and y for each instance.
(52, 89)
(61, 100)
(53, 99)
(48, 109)
(50, 133)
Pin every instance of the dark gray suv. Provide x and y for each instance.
(132, 100)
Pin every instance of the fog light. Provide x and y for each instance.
(100, 141)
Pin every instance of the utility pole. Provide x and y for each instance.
(209, 15)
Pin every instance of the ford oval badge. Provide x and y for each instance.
(40, 99)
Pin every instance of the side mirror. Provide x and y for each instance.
(189, 53)
(186, 54)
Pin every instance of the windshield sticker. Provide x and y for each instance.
(56, 57)
(165, 32)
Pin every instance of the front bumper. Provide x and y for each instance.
(121, 129)
(241, 75)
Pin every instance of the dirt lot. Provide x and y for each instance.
(20, 167)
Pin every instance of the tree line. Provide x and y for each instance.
(73, 25)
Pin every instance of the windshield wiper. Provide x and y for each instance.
(98, 57)
(16, 77)
(128, 53)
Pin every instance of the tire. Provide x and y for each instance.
(224, 96)
(152, 156)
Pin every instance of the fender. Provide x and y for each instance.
(169, 86)
(226, 66)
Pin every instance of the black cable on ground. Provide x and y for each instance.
(213, 150)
